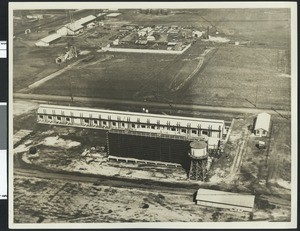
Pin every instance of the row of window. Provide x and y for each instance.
(122, 124)
(158, 122)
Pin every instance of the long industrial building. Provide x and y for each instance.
(133, 121)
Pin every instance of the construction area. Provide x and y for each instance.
(143, 115)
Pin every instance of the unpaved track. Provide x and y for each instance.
(182, 189)
(58, 98)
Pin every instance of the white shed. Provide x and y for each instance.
(226, 200)
(262, 124)
(45, 42)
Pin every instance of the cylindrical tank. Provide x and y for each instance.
(198, 149)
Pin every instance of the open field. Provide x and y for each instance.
(238, 73)
(264, 27)
(118, 75)
(230, 75)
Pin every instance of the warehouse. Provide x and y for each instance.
(70, 29)
(141, 122)
(86, 20)
(226, 200)
(262, 124)
(45, 42)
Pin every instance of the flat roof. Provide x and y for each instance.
(263, 121)
(51, 38)
(228, 198)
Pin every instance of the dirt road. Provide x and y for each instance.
(184, 189)
(148, 104)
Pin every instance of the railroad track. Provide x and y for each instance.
(151, 185)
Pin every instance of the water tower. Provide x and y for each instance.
(198, 155)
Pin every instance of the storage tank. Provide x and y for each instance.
(198, 149)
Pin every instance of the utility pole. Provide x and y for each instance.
(71, 89)
(256, 94)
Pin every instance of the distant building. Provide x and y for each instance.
(74, 28)
(171, 43)
(226, 200)
(116, 42)
(91, 25)
(113, 15)
(145, 32)
(45, 42)
(150, 38)
(262, 124)
(141, 42)
(86, 20)
(197, 34)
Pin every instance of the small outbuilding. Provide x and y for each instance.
(262, 124)
(225, 200)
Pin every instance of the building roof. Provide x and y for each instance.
(86, 19)
(135, 116)
(228, 198)
(50, 38)
(74, 26)
(113, 14)
(263, 121)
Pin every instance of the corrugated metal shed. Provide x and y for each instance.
(51, 38)
(225, 198)
(263, 121)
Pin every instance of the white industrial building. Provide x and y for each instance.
(86, 20)
(226, 200)
(113, 15)
(45, 42)
(262, 124)
(140, 122)
(70, 29)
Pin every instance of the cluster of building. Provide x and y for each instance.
(74, 28)
(160, 36)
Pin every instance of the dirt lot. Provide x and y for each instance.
(266, 173)
(39, 200)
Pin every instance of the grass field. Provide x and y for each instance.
(231, 76)
(264, 26)
(237, 73)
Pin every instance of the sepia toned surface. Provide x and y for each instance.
(228, 64)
